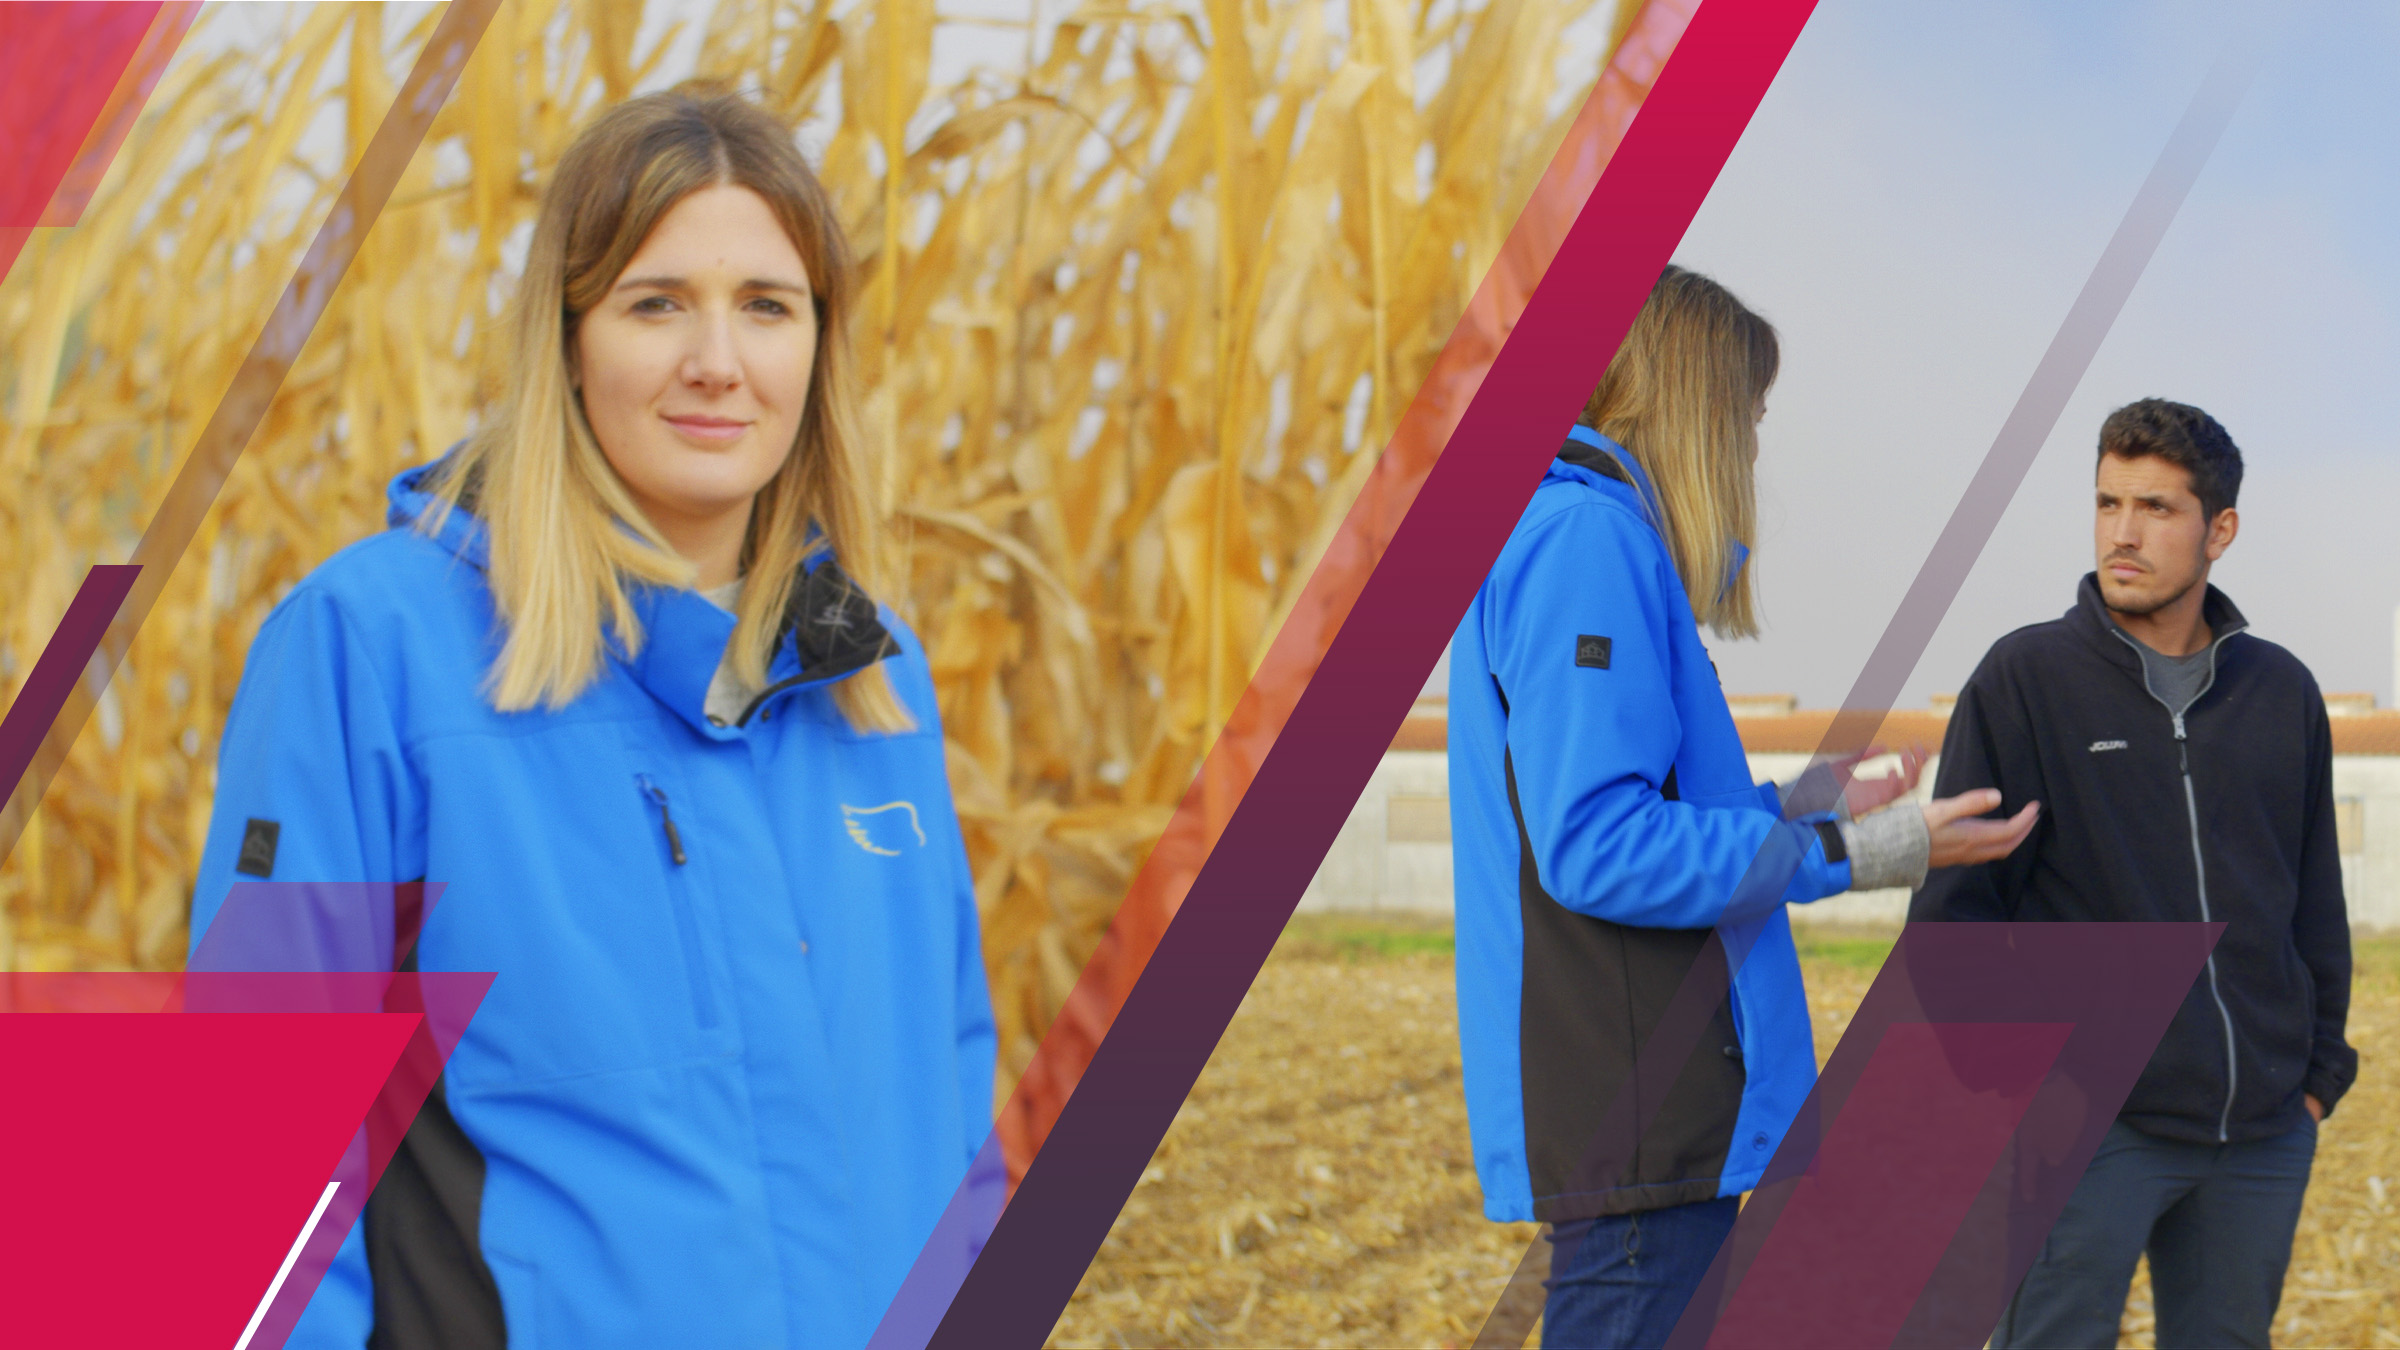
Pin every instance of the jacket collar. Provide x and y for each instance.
(1590, 457)
(830, 628)
(412, 497)
(2090, 617)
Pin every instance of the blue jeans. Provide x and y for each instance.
(2217, 1220)
(1621, 1282)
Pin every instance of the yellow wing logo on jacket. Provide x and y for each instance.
(871, 827)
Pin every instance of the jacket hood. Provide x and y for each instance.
(1589, 457)
(830, 628)
(412, 498)
(2090, 617)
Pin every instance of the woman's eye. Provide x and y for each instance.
(653, 304)
(763, 305)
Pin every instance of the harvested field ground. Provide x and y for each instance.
(1317, 1189)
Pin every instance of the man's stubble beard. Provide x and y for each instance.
(2146, 610)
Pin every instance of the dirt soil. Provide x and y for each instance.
(1317, 1190)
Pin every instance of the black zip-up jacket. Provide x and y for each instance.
(2224, 814)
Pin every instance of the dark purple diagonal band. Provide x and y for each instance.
(1931, 594)
(53, 677)
(1275, 839)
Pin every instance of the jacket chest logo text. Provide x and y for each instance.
(878, 829)
(1591, 651)
(2098, 746)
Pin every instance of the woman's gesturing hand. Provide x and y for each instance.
(1960, 836)
(1865, 795)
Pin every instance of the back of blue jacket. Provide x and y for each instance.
(729, 1073)
(1603, 822)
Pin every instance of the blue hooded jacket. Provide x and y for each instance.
(1603, 821)
(739, 1051)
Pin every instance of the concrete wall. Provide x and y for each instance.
(1393, 853)
(2366, 791)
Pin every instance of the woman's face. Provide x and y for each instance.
(695, 367)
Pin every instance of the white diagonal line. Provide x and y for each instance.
(290, 1259)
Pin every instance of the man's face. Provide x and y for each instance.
(2152, 541)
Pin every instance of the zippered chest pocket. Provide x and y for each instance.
(565, 886)
(682, 896)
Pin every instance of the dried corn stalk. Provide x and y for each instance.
(1140, 306)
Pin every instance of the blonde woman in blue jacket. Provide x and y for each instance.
(1604, 822)
(614, 679)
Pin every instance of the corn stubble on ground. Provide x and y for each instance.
(1317, 1189)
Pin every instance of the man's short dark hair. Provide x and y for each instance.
(2181, 435)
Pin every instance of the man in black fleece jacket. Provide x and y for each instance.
(2188, 772)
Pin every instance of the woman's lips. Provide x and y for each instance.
(708, 428)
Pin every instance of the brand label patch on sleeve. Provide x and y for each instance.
(258, 848)
(1591, 651)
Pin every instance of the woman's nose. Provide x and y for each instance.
(712, 363)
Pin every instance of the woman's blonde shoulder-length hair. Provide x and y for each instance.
(567, 539)
(1684, 394)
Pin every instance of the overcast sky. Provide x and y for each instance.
(1915, 206)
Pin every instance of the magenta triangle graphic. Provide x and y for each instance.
(178, 1156)
(63, 64)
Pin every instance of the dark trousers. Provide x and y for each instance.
(1620, 1283)
(2217, 1221)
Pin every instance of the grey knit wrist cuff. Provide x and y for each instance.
(1888, 848)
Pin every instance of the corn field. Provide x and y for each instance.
(1146, 288)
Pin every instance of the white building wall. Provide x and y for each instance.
(1393, 853)
(2366, 789)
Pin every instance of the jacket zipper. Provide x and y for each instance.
(2191, 809)
(666, 817)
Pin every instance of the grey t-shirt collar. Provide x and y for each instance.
(2177, 681)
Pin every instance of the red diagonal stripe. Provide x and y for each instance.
(1390, 638)
(119, 113)
(59, 62)
(1334, 586)
(53, 99)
